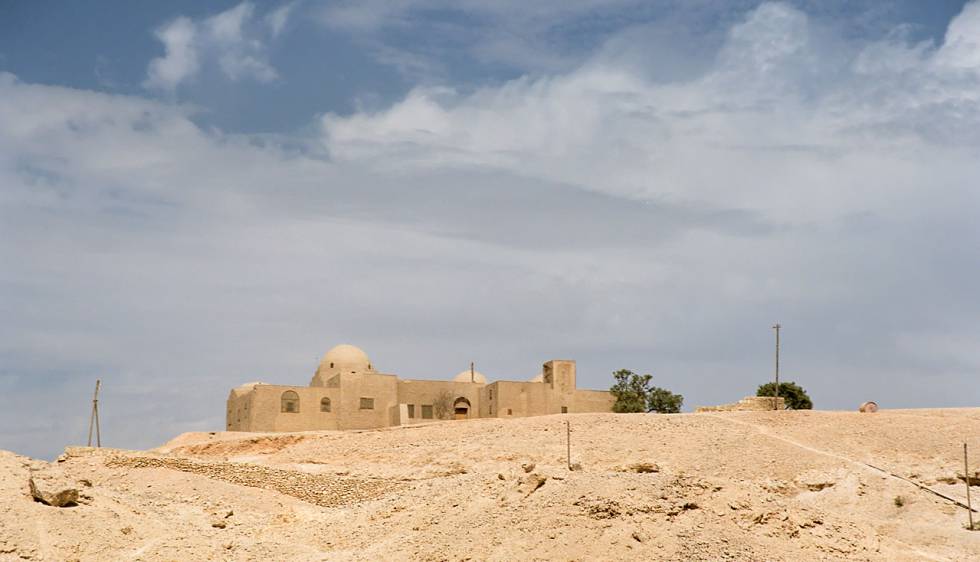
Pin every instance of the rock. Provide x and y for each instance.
(53, 496)
(528, 467)
(531, 483)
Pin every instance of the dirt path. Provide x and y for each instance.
(862, 465)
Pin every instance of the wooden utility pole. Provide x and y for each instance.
(94, 419)
(966, 476)
(775, 405)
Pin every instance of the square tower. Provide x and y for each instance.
(559, 374)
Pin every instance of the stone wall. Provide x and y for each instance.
(747, 404)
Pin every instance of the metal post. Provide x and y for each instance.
(568, 441)
(966, 476)
(775, 405)
(94, 418)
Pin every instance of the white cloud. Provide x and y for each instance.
(961, 47)
(277, 19)
(600, 213)
(180, 60)
(234, 39)
(784, 123)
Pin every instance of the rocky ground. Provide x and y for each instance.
(720, 486)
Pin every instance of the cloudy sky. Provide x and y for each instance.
(194, 195)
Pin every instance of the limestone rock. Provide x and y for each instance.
(55, 496)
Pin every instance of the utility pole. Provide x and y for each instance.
(94, 419)
(775, 405)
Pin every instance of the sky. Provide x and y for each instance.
(195, 195)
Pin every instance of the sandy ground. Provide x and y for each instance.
(724, 486)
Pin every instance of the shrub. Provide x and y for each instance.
(663, 401)
(630, 390)
(796, 398)
(634, 394)
(442, 406)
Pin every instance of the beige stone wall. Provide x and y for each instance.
(592, 401)
(516, 399)
(381, 388)
(260, 409)
(747, 404)
(424, 392)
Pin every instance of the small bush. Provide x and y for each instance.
(664, 401)
(796, 398)
(899, 501)
(634, 394)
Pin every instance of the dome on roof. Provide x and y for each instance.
(243, 388)
(465, 376)
(537, 378)
(345, 358)
(249, 385)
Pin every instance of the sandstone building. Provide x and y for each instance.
(346, 392)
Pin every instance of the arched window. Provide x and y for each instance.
(290, 402)
(324, 404)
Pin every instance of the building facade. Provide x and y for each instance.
(346, 392)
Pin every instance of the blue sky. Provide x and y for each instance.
(196, 195)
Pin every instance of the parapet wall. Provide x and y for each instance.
(748, 404)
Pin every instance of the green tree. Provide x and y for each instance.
(796, 397)
(630, 390)
(663, 401)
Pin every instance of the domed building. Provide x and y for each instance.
(470, 376)
(343, 358)
(346, 392)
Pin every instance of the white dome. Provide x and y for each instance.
(537, 378)
(243, 388)
(345, 358)
(465, 376)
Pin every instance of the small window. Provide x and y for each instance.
(324, 404)
(290, 402)
(426, 412)
(331, 365)
(564, 409)
(411, 410)
(510, 412)
(491, 394)
(367, 403)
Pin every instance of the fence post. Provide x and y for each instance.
(966, 477)
(568, 441)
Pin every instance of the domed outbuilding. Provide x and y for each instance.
(344, 358)
(470, 376)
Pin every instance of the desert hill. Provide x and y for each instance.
(807, 485)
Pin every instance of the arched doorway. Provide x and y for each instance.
(461, 408)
